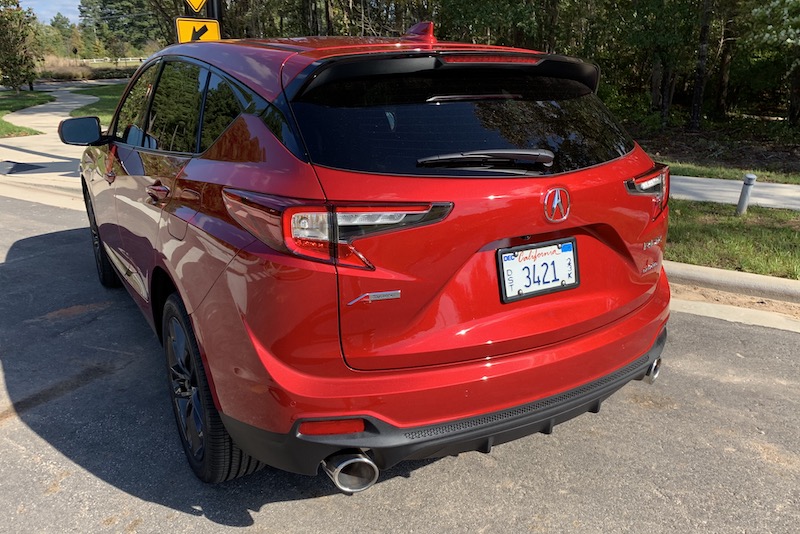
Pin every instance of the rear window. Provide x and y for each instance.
(385, 124)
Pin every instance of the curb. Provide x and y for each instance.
(755, 285)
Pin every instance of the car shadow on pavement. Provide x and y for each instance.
(67, 169)
(16, 164)
(84, 371)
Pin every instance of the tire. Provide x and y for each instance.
(105, 270)
(209, 448)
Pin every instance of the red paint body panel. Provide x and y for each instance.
(450, 308)
(266, 389)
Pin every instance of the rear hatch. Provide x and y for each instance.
(484, 204)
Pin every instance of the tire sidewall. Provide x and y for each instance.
(205, 468)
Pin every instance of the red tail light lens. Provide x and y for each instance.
(324, 232)
(654, 183)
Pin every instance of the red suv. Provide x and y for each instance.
(361, 251)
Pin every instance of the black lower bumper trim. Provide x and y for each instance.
(389, 445)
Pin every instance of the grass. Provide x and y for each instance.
(104, 108)
(728, 173)
(763, 241)
(60, 68)
(10, 102)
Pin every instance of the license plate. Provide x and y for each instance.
(531, 270)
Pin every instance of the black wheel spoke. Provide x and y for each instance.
(186, 395)
(194, 425)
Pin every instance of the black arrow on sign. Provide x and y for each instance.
(197, 34)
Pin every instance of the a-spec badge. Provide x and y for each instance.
(376, 297)
(556, 205)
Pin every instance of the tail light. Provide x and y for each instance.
(653, 183)
(324, 232)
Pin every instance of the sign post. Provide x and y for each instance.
(191, 29)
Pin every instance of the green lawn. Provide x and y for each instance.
(9, 102)
(728, 173)
(104, 108)
(763, 241)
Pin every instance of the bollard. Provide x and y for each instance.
(744, 197)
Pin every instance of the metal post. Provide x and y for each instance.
(744, 196)
(213, 10)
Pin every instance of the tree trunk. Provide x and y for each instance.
(700, 71)
(667, 90)
(728, 41)
(550, 22)
(794, 98)
(329, 17)
(655, 84)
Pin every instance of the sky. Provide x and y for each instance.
(46, 9)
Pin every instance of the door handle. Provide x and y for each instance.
(158, 193)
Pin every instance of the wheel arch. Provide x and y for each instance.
(162, 287)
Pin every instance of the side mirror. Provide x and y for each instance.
(81, 131)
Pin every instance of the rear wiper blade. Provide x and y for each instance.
(495, 158)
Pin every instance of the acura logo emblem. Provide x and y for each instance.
(556, 205)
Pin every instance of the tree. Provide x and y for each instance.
(17, 49)
(727, 42)
(48, 41)
(776, 26)
(702, 66)
(129, 21)
(63, 25)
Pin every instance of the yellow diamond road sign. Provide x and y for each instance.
(197, 30)
(197, 5)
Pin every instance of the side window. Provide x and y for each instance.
(175, 113)
(129, 127)
(222, 107)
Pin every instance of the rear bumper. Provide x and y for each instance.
(389, 445)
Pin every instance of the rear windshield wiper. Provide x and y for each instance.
(496, 159)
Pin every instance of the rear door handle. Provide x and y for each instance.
(158, 193)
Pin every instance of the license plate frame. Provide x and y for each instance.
(518, 284)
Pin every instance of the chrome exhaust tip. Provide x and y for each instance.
(351, 472)
(652, 371)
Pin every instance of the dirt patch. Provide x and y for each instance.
(703, 294)
(741, 148)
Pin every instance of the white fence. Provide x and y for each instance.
(112, 60)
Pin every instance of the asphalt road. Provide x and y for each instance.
(88, 444)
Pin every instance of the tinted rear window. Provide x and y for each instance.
(384, 124)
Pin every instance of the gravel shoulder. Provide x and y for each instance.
(704, 294)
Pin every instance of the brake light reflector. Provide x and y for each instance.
(336, 426)
(492, 58)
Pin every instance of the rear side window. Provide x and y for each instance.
(387, 123)
(222, 107)
(129, 126)
(175, 112)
